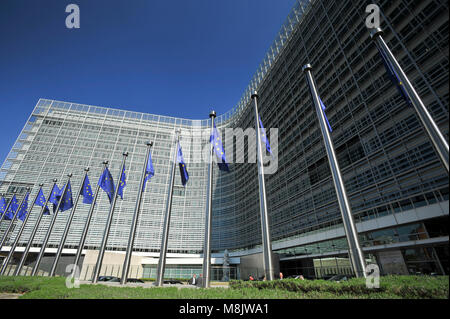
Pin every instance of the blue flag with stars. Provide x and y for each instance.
(122, 183)
(183, 171)
(40, 201)
(9, 215)
(2, 206)
(323, 110)
(264, 136)
(86, 191)
(23, 208)
(107, 184)
(218, 149)
(149, 171)
(394, 77)
(54, 197)
(66, 200)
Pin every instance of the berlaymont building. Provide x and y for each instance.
(397, 186)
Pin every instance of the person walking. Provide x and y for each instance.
(193, 280)
(200, 280)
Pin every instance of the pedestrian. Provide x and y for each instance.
(193, 280)
(200, 280)
(281, 275)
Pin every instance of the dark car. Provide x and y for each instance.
(339, 278)
(172, 281)
(108, 279)
(295, 277)
(135, 280)
(327, 277)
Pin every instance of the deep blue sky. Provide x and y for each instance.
(175, 58)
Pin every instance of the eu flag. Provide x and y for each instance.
(23, 208)
(394, 77)
(218, 149)
(2, 206)
(66, 200)
(323, 110)
(183, 172)
(107, 184)
(54, 197)
(12, 208)
(86, 191)
(40, 201)
(122, 183)
(264, 136)
(149, 171)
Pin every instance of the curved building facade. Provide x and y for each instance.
(397, 187)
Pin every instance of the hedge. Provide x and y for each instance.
(409, 287)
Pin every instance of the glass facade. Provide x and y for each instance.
(61, 138)
(387, 161)
(187, 272)
(398, 234)
(388, 164)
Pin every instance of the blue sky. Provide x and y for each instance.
(176, 58)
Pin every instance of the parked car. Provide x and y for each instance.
(327, 277)
(339, 278)
(135, 280)
(172, 281)
(295, 277)
(108, 279)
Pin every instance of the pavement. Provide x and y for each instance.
(152, 284)
(9, 296)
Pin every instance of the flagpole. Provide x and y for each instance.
(33, 233)
(16, 240)
(165, 234)
(66, 230)
(437, 139)
(208, 214)
(265, 227)
(88, 222)
(50, 228)
(5, 235)
(126, 263)
(101, 254)
(7, 207)
(355, 251)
